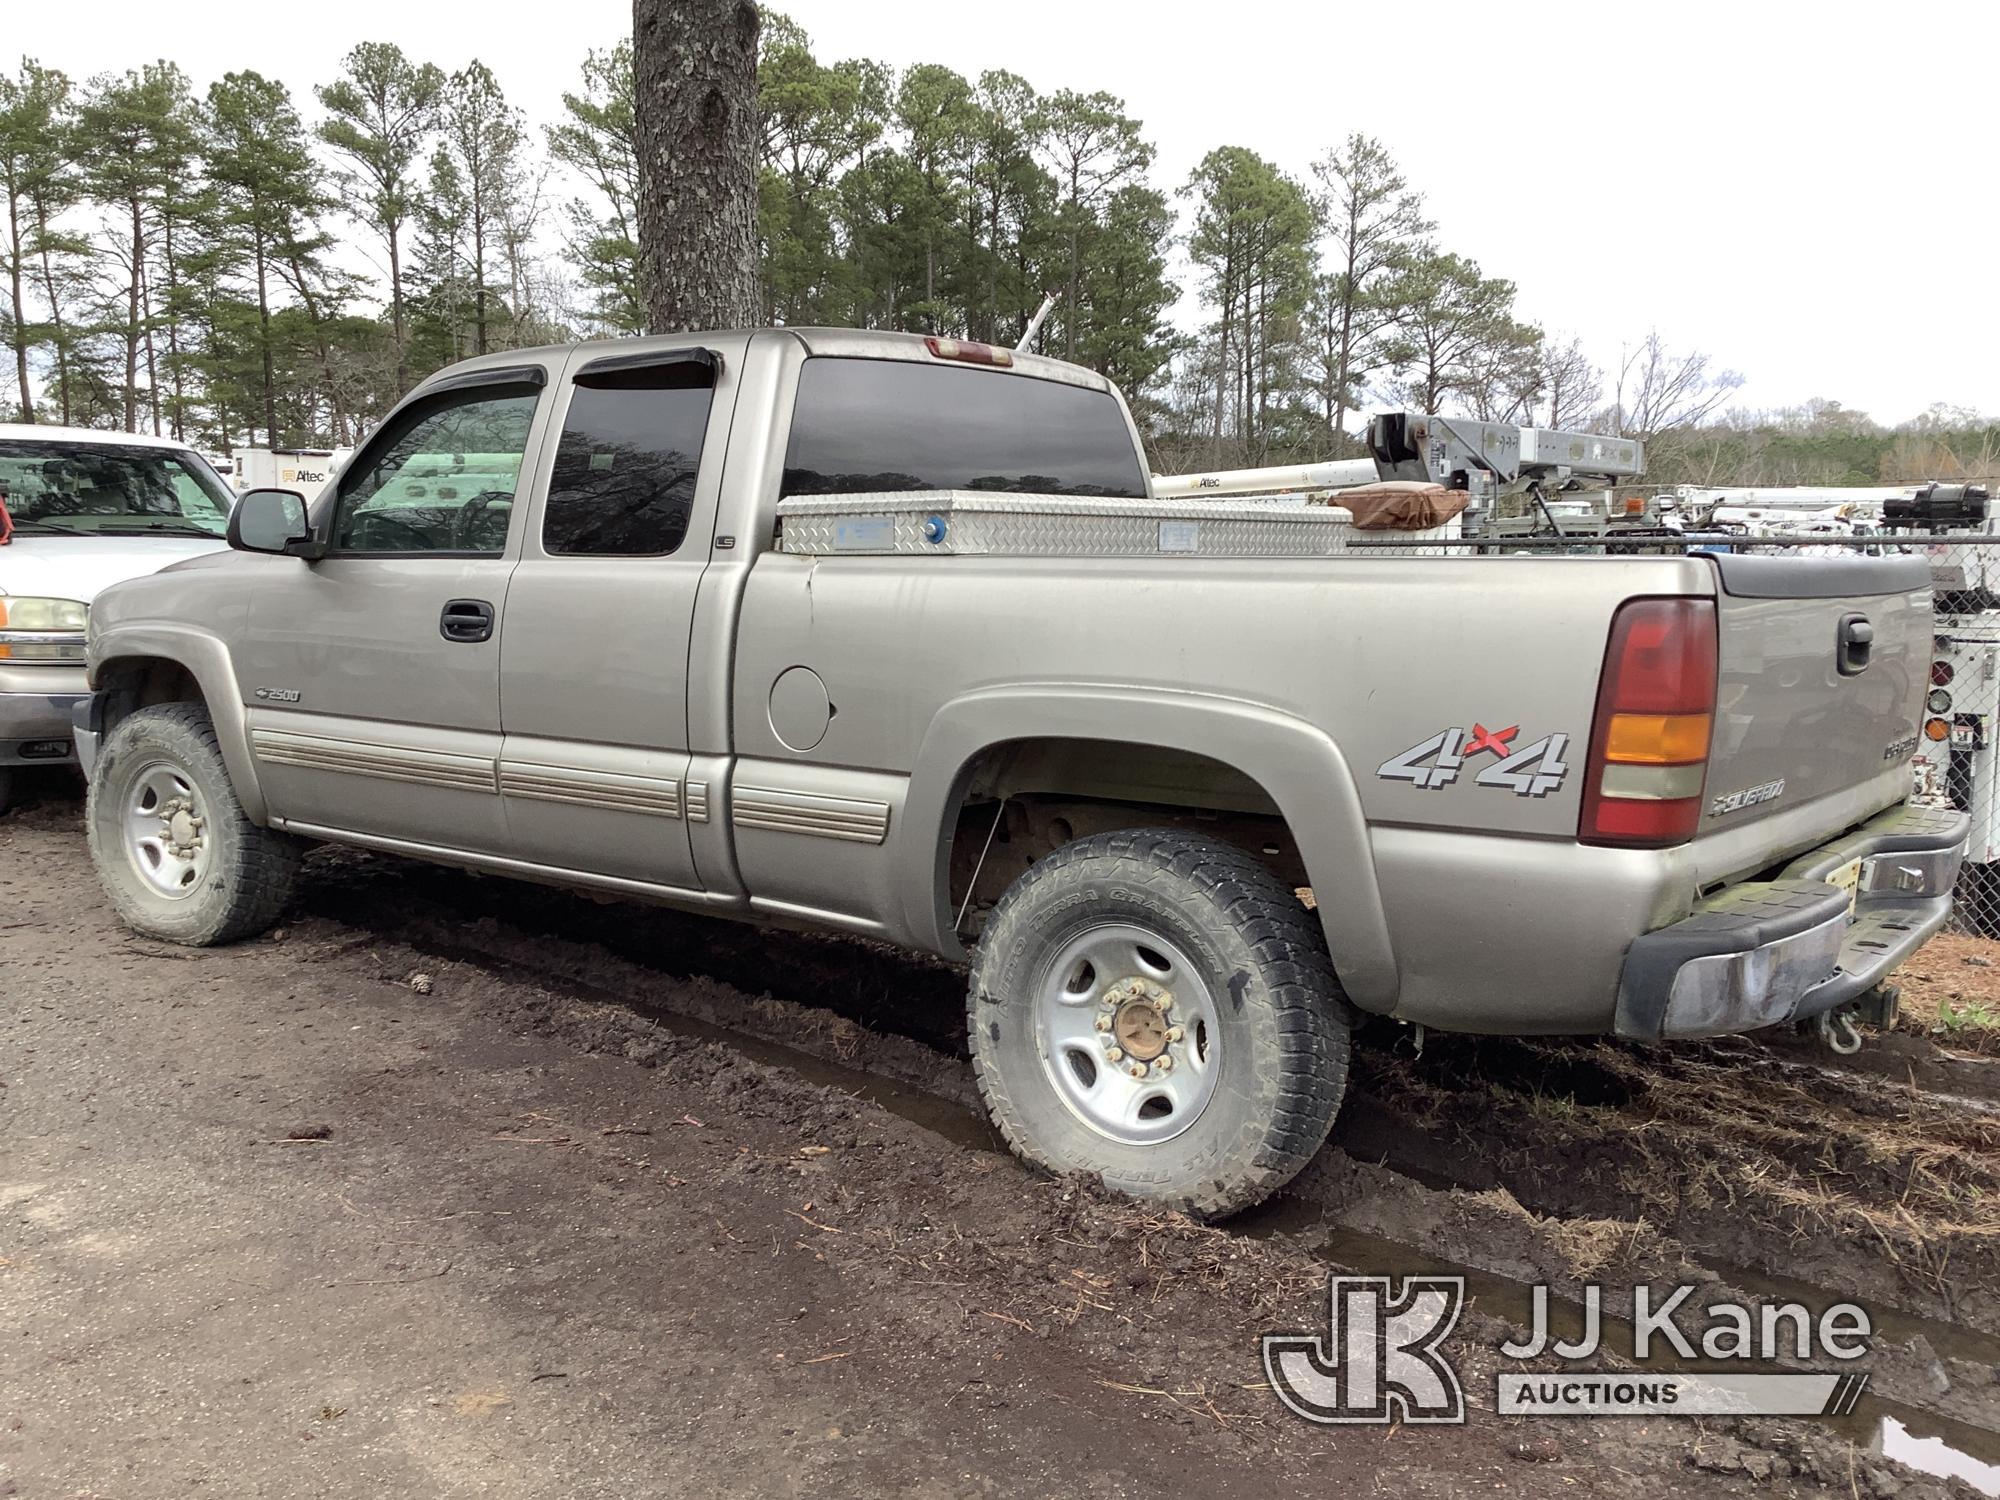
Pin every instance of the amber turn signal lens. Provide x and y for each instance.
(1657, 739)
(1936, 729)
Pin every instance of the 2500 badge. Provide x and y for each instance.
(1531, 770)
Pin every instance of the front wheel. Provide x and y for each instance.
(173, 847)
(1156, 1009)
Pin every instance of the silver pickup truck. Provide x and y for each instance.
(889, 634)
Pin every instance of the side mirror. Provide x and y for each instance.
(272, 521)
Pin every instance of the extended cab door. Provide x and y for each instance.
(371, 677)
(594, 656)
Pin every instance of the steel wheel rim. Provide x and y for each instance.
(1102, 993)
(165, 827)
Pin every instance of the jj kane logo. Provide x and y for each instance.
(1381, 1361)
(1382, 1357)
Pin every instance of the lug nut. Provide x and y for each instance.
(1165, 1002)
(1175, 1033)
(1103, 1023)
(1137, 1070)
(1163, 1065)
(1114, 1052)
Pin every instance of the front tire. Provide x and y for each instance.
(173, 847)
(1156, 1009)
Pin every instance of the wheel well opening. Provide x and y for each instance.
(1025, 799)
(141, 682)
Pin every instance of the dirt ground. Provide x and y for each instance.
(456, 1187)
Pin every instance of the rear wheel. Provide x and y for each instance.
(1156, 1009)
(6, 790)
(176, 854)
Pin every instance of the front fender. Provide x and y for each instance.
(1298, 766)
(207, 659)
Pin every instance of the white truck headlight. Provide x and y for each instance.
(38, 630)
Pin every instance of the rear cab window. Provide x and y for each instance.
(872, 424)
(625, 468)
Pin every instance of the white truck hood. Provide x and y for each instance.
(79, 567)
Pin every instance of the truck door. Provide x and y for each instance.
(594, 657)
(372, 677)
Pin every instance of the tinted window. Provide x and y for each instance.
(103, 488)
(866, 424)
(625, 468)
(441, 477)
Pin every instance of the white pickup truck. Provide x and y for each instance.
(891, 635)
(81, 510)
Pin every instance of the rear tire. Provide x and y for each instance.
(1126, 949)
(6, 790)
(175, 852)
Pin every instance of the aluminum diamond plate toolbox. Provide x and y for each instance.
(973, 523)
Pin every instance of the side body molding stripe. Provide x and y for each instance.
(313, 752)
(809, 813)
(613, 790)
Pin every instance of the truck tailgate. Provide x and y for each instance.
(1823, 664)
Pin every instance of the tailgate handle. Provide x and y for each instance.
(1857, 641)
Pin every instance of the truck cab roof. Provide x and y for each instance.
(38, 432)
(850, 343)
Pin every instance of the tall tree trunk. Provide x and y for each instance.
(152, 364)
(396, 313)
(132, 322)
(695, 69)
(55, 307)
(478, 272)
(20, 307)
(264, 340)
(174, 335)
(1075, 261)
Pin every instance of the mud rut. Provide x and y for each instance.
(1766, 1167)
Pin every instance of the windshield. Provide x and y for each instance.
(67, 488)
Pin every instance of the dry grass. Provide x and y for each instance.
(1951, 993)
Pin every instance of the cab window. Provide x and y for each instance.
(624, 478)
(441, 477)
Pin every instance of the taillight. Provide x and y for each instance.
(1655, 714)
(1941, 674)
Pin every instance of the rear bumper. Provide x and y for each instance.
(1825, 932)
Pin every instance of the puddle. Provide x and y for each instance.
(1923, 1440)
(1892, 1324)
(1935, 1456)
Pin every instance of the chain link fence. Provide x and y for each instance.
(1957, 761)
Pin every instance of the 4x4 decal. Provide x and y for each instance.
(1533, 770)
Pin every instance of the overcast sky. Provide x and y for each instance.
(1805, 191)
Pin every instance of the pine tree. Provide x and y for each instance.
(379, 115)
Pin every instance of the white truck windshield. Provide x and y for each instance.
(63, 487)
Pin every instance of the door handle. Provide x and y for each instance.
(1857, 644)
(467, 620)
